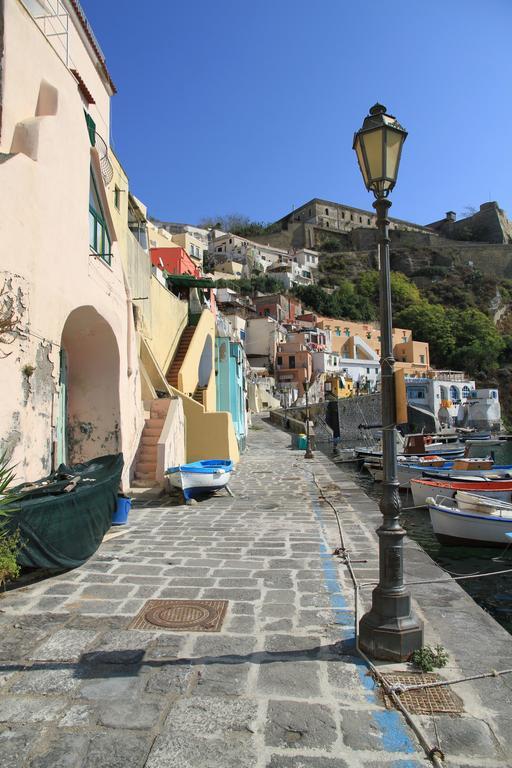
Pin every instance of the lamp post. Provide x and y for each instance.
(389, 630)
(309, 452)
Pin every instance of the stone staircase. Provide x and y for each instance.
(199, 394)
(181, 351)
(145, 469)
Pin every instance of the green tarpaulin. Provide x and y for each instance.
(62, 530)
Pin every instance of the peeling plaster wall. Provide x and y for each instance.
(44, 234)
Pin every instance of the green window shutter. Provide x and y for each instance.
(91, 127)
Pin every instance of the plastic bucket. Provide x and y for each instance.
(302, 443)
(120, 516)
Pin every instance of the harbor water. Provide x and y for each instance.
(492, 593)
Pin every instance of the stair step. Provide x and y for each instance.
(149, 440)
(159, 408)
(144, 483)
(152, 432)
(145, 467)
(148, 453)
(157, 423)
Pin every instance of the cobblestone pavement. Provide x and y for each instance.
(279, 685)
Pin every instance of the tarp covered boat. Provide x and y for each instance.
(200, 477)
(60, 528)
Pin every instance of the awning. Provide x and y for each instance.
(191, 281)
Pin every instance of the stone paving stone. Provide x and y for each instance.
(18, 643)
(300, 725)
(292, 645)
(242, 625)
(305, 761)
(463, 737)
(107, 591)
(164, 646)
(66, 750)
(16, 744)
(103, 684)
(29, 709)
(180, 593)
(182, 741)
(280, 596)
(45, 681)
(78, 715)
(216, 593)
(182, 750)
(134, 715)
(117, 749)
(173, 679)
(299, 679)
(223, 647)
(222, 680)
(276, 610)
(64, 645)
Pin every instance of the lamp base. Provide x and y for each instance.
(390, 631)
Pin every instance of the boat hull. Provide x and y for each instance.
(200, 478)
(422, 488)
(454, 527)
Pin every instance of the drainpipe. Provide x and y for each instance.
(129, 321)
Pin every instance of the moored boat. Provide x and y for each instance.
(200, 477)
(63, 518)
(477, 522)
(423, 487)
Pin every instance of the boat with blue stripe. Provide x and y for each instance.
(200, 478)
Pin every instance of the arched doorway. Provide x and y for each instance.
(88, 419)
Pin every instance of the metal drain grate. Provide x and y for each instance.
(424, 701)
(181, 615)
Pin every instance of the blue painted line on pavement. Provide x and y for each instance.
(394, 734)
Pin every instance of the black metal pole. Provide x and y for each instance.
(389, 630)
(309, 452)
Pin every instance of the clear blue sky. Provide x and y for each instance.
(249, 106)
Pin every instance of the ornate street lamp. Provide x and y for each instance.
(309, 452)
(389, 630)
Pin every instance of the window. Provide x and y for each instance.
(99, 239)
(351, 217)
(219, 250)
(343, 214)
(422, 361)
(360, 219)
(368, 221)
(367, 370)
(279, 360)
(326, 211)
(230, 240)
(291, 361)
(309, 211)
(117, 197)
(454, 393)
(326, 223)
(465, 391)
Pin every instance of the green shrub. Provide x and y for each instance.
(10, 543)
(428, 658)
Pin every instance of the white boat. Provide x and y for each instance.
(471, 520)
(200, 477)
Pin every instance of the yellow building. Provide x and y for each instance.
(338, 386)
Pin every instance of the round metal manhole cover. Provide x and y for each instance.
(267, 506)
(181, 615)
